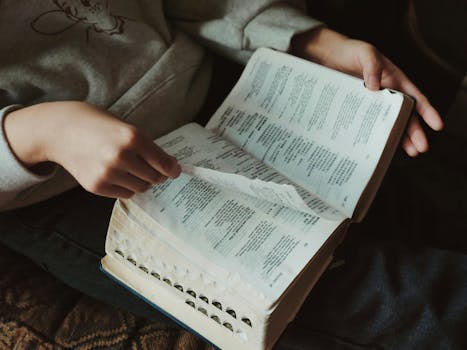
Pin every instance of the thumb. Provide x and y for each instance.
(371, 65)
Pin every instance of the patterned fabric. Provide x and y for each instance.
(38, 312)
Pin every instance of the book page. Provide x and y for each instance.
(222, 163)
(282, 194)
(260, 242)
(322, 129)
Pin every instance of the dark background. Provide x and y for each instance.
(441, 26)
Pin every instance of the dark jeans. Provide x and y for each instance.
(403, 284)
(66, 235)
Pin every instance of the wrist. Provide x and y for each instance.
(30, 134)
(317, 44)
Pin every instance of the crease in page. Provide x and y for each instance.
(282, 194)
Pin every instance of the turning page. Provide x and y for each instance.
(283, 194)
(322, 129)
(253, 240)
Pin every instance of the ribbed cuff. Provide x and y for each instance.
(14, 176)
(275, 27)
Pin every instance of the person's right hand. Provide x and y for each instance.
(105, 155)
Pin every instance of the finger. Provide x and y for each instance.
(371, 65)
(114, 191)
(159, 160)
(409, 147)
(138, 167)
(129, 181)
(417, 135)
(423, 106)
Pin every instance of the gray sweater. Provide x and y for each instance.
(143, 60)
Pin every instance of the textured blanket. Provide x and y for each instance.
(39, 312)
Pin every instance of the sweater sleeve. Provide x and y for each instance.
(14, 177)
(235, 28)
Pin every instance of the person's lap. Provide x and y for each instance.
(65, 235)
(404, 283)
(389, 296)
(395, 290)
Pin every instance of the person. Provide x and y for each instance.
(85, 87)
(162, 85)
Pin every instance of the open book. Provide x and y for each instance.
(233, 246)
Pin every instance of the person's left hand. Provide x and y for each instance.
(361, 59)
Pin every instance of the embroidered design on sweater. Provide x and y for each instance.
(94, 15)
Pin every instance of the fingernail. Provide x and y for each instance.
(419, 141)
(373, 83)
(439, 126)
(412, 152)
(176, 170)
